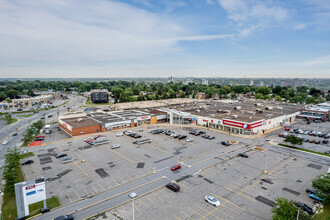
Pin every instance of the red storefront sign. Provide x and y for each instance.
(30, 187)
(205, 120)
(242, 125)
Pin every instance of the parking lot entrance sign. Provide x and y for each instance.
(28, 193)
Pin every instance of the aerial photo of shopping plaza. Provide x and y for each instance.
(169, 110)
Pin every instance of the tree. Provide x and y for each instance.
(259, 96)
(278, 98)
(293, 140)
(2, 96)
(310, 100)
(322, 183)
(286, 210)
(277, 90)
(263, 90)
(8, 118)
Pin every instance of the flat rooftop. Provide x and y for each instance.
(80, 122)
(246, 111)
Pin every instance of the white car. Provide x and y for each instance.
(119, 134)
(212, 201)
(5, 142)
(172, 134)
(114, 146)
(190, 140)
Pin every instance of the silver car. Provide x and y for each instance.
(190, 140)
(212, 201)
(114, 146)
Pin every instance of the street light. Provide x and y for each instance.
(133, 195)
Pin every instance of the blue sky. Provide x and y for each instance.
(151, 38)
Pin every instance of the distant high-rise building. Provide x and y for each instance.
(261, 83)
(171, 79)
(251, 82)
(187, 81)
(205, 81)
(295, 82)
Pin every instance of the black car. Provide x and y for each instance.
(61, 155)
(42, 118)
(325, 141)
(327, 152)
(327, 136)
(243, 155)
(182, 136)
(308, 209)
(137, 136)
(172, 186)
(211, 137)
(27, 162)
(64, 217)
(311, 190)
(226, 143)
(317, 142)
(15, 134)
(202, 132)
(321, 135)
(49, 116)
(197, 134)
(39, 139)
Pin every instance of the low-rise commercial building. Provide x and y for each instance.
(36, 101)
(312, 112)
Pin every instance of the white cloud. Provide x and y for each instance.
(209, 2)
(299, 27)
(318, 61)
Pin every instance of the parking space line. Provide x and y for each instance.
(176, 217)
(80, 168)
(143, 203)
(253, 200)
(194, 211)
(135, 206)
(116, 182)
(116, 152)
(223, 212)
(123, 180)
(163, 194)
(150, 145)
(209, 213)
(229, 202)
(78, 194)
(69, 197)
(93, 189)
(233, 210)
(181, 184)
(86, 192)
(157, 196)
(101, 187)
(150, 199)
(186, 214)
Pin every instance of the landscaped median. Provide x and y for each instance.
(302, 149)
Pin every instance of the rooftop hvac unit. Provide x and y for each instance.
(226, 111)
(235, 116)
(238, 107)
(79, 119)
(269, 115)
(198, 110)
(279, 107)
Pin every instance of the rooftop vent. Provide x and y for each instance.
(238, 107)
(79, 119)
(235, 116)
(269, 108)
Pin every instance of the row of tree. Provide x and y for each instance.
(128, 91)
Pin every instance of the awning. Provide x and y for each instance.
(310, 116)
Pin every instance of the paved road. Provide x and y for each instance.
(20, 126)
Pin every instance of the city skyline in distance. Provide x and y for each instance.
(180, 38)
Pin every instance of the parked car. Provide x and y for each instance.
(182, 136)
(305, 140)
(325, 141)
(5, 142)
(311, 141)
(212, 201)
(285, 135)
(61, 155)
(119, 134)
(243, 155)
(300, 136)
(137, 136)
(317, 142)
(226, 143)
(300, 131)
(291, 131)
(172, 186)
(88, 138)
(211, 137)
(114, 146)
(316, 198)
(311, 190)
(280, 135)
(39, 139)
(190, 140)
(176, 167)
(327, 136)
(14, 134)
(64, 217)
(27, 162)
(327, 152)
(40, 136)
(287, 128)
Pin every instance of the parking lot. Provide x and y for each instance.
(240, 185)
(317, 127)
(235, 181)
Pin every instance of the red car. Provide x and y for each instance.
(287, 129)
(280, 135)
(311, 141)
(41, 136)
(98, 136)
(176, 167)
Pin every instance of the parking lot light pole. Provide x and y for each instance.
(266, 172)
(132, 195)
